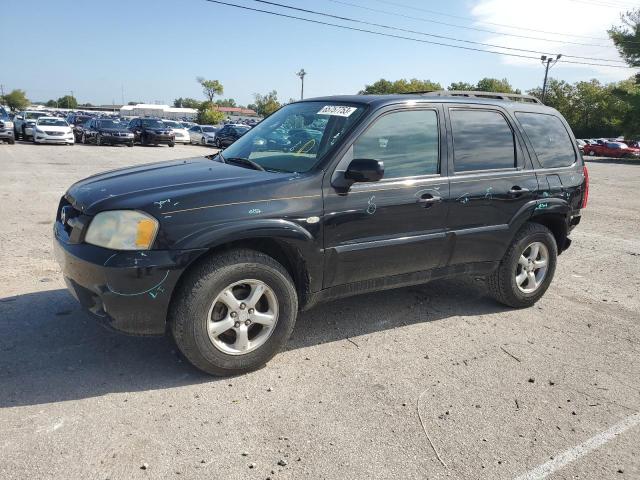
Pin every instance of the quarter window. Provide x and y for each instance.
(482, 140)
(407, 143)
(549, 137)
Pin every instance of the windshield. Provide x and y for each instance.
(33, 115)
(109, 124)
(295, 137)
(172, 124)
(209, 129)
(152, 123)
(52, 122)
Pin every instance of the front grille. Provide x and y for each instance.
(54, 134)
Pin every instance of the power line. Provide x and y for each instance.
(389, 27)
(344, 27)
(477, 29)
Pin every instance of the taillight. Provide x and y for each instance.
(585, 196)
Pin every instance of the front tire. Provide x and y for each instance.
(234, 312)
(172, 144)
(98, 140)
(527, 269)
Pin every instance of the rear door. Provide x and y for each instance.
(492, 180)
(398, 225)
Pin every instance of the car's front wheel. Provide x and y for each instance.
(234, 312)
(527, 269)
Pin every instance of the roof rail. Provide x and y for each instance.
(512, 97)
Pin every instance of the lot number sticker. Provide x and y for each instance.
(337, 110)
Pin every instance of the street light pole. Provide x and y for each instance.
(301, 74)
(548, 62)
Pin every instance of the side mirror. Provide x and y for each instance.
(360, 170)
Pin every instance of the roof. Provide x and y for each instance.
(431, 97)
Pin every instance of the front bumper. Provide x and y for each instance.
(115, 139)
(44, 138)
(6, 134)
(128, 291)
(164, 139)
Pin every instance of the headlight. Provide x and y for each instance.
(8, 124)
(122, 230)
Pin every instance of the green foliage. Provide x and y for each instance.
(266, 104)
(627, 37)
(495, 85)
(226, 102)
(186, 103)
(462, 86)
(67, 102)
(208, 114)
(383, 86)
(51, 104)
(210, 88)
(593, 109)
(16, 99)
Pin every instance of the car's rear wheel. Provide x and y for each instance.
(234, 312)
(527, 269)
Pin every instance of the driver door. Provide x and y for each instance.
(398, 225)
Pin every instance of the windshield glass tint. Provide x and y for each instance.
(153, 123)
(208, 129)
(109, 124)
(52, 122)
(295, 137)
(173, 124)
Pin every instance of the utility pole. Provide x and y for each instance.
(69, 102)
(1, 91)
(301, 74)
(548, 62)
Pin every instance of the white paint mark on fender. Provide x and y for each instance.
(563, 459)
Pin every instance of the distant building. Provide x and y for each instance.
(162, 111)
(238, 112)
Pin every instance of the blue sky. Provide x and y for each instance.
(156, 48)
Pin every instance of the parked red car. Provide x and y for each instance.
(612, 149)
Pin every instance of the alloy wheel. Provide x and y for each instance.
(242, 317)
(531, 269)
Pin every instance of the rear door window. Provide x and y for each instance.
(482, 140)
(407, 143)
(549, 137)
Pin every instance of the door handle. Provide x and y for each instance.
(517, 190)
(427, 200)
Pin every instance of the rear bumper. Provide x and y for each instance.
(127, 291)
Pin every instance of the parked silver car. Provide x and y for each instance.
(203, 134)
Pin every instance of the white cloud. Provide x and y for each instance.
(573, 20)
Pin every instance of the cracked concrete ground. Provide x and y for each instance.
(500, 391)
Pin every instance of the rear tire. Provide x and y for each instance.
(172, 144)
(504, 283)
(199, 304)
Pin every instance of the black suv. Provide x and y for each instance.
(395, 190)
(151, 131)
(106, 131)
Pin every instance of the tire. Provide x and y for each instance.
(12, 141)
(203, 141)
(191, 311)
(503, 282)
(130, 144)
(83, 139)
(172, 144)
(143, 141)
(24, 134)
(98, 140)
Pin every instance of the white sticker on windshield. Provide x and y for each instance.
(337, 110)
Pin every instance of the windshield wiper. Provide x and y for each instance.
(243, 162)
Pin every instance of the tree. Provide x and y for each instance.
(384, 86)
(226, 102)
(462, 86)
(495, 85)
(51, 104)
(210, 88)
(186, 103)
(627, 37)
(16, 99)
(266, 104)
(208, 114)
(67, 102)
(253, 106)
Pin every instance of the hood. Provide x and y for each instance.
(147, 186)
(54, 128)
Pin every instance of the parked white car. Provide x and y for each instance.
(52, 130)
(182, 134)
(203, 134)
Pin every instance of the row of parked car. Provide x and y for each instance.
(79, 127)
(602, 147)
